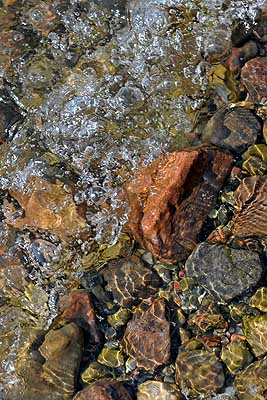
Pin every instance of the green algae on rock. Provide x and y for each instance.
(251, 384)
(255, 331)
(225, 272)
(255, 160)
(94, 372)
(259, 299)
(199, 372)
(236, 356)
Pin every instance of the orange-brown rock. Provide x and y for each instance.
(47, 206)
(78, 307)
(250, 218)
(104, 389)
(147, 335)
(170, 200)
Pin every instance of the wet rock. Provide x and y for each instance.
(240, 55)
(147, 335)
(236, 356)
(62, 350)
(250, 202)
(223, 271)
(111, 357)
(158, 391)
(259, 299)
(78, 307)
(47, 206)
(233, 128)
(171, 200)
(255, 160)
(205, 321)
(251, 384)
(119, 318)
(94, 372)
(129, 280)
(105, 389)
(8, 116)
(253, 76)
(199, 372)
(255, 330)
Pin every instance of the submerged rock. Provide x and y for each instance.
(62, 350)
(259, 299)
(254, 77)
(255, 160)
(240, 55)
(171, 200)
(251, 384)
(78, 307)
(233, 128)
(236, 356)
(250, 202)
(223, 271)
(105, 389)
(199, 372)
(255, 330)
(147, 336)
(129, 280)
(47, 206)
(158, 391)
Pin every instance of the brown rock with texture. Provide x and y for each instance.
(104, 389)
(78, 307)
(62, 350)
(171, 200)
(240, 55)
(129, 280)
(147, 335)
(47, 206)
(254, 77)
(250, 218)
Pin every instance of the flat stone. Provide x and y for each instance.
(223, 271)
(199, 372)
(158, 391)
(233, 128)
(147, 336)
(255, 330)
(251, 384)
(250, 202)
(170, 200)
(129, 280)
(104, 389)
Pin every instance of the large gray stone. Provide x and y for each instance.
(224, 272)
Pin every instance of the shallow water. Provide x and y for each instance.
(101, 89)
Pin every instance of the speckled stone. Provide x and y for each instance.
(223, 271)
(158, 391)
(199, 372)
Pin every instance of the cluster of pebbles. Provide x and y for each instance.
(177, 308)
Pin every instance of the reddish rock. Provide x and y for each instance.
(104, 389)
(240, 55)
(254, 77)
(147, 336)
(170, 200)
(77, 307)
